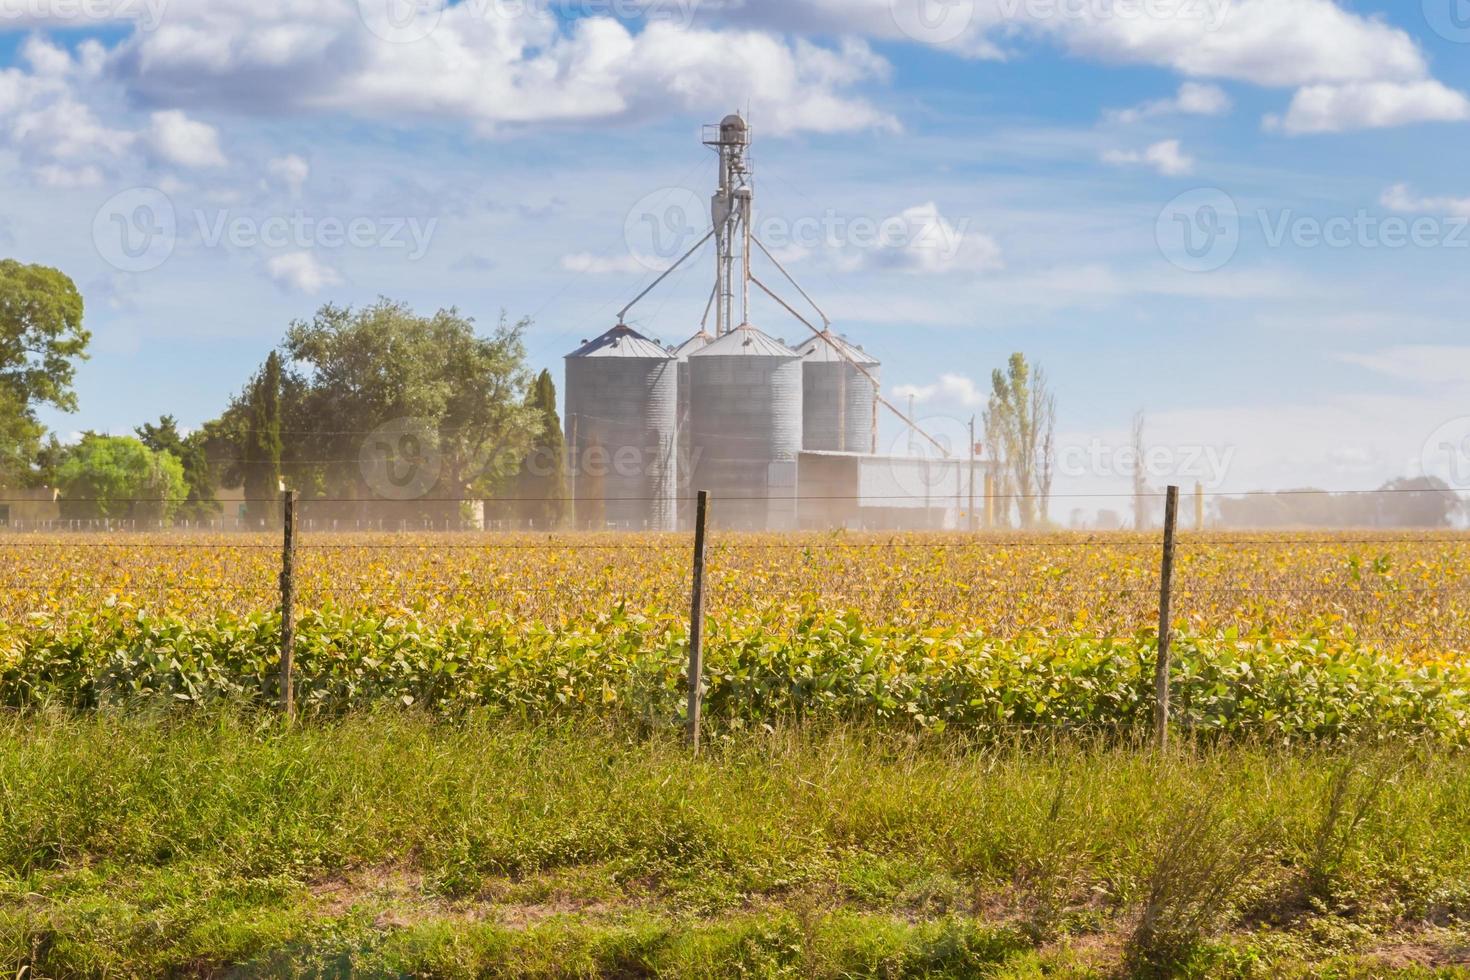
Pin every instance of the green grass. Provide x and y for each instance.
(226, 844)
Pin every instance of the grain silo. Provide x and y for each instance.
(839, 396)
(745, 427)
(738, 413)
(622, 393)
(684, 483)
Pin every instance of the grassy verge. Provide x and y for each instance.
(390, 844)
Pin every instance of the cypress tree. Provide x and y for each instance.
(543, 483)
(262, 450)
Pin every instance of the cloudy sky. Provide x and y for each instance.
(1248, 218)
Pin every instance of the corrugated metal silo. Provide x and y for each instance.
(838, 400)
(622, 395)
(745, 421)
(682, 422)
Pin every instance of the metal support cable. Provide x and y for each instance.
(666, 273)
(877, 388)
(826, 320)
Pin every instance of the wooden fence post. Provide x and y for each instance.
(696, 622)
(1166, 588)
(288, 603)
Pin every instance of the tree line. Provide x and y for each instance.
(353, 407)
(358, 409)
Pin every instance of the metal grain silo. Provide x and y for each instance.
(838, 401)
(745, 422)
(681, 421)
(622, 393)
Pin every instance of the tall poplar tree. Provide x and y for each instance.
(543, 483)
(261, 452)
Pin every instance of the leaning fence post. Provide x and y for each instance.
(1166, 588)
(696, 622)
(288, 603)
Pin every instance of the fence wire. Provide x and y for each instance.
(1403, 592)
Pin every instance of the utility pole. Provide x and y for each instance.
(971, 510)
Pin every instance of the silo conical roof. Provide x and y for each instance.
(698, 342)
(818, 350)
(745, 341)
(622, 341)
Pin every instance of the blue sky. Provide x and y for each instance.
(1036, 163)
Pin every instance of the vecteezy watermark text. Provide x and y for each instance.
(1446, 453)
(146, 15)
(1206, 465)
(662, 226)
(405, 459)
(1450, 19)
(301, 230)
(1201, 230)
(139, 229)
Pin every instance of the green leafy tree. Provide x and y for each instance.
(189, 451)
(20, 441)
(1020, 429)
(41, 339)
(542, 487)
(382, 404)
(119, 477)
(447, 405)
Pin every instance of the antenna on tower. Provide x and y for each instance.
(731, 210)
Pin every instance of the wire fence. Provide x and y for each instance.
(1402, 591)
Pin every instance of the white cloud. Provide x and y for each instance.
(1274, 43)
(923, 241)
(493, 70)
(1370, 105)
(955, 389)
(1167, 157)
(499, 70)
(301, 272)
(175, 138)
(919, 393)
(1400, 198)
(1315, 45)
(64, 15)
(45, 58)
(1193, 99)
(43, 119)
(601, 265)
(1425, 365)
(67, 178)
(290, 170)
(63, 129)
